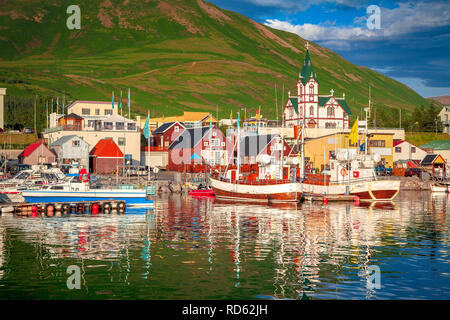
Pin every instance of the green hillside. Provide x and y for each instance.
(175, 55)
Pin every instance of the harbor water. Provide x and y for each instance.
(188, 248)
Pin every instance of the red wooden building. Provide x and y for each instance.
(71, 122)
(165, 134)
(196, 147)
(105, 157)
(37, 153)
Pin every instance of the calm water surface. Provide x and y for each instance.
(202, 249)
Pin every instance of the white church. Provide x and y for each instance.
(321, 111)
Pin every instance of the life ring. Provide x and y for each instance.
(343, 172)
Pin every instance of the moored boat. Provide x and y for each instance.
(75, 188)
(269, 191)
(202, 193)
(356, 177)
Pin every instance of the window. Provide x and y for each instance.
(91, 123)
(75, 143)
(413, 149)
(176, 129)
(311, 111)
(108, 112)
(377, 143)
(97, 112)
(291, 113)
(85, 112)
(131, 126)
(108, 125)
(120, 125)
(122, 141)
(398, 149)
(330, 111)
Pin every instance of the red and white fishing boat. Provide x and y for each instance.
(356, 177)
(270, 180)
(259, 190)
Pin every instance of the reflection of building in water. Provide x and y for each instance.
(2, 250)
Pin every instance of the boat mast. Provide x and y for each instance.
(238, 160)
(367, 110)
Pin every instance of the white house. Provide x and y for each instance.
(444, 116)
(404, 150)
(98, 120)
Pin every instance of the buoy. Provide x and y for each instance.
(95, 208)
(65, 208)
(325, 200)
(73, 208)
(80, 207)
(356, 200)
(107, 207)
(50, 210)
(121, 206)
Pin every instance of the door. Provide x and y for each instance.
(285, 173)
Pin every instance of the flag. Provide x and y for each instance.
(354, 133)
(231, 118)
(129, 111)
(258, 115)
(120, 105)
(238, 121)
(147, 127)
(113, 100)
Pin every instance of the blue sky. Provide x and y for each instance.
(411, 46)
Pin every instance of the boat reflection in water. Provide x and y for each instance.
(209, 249)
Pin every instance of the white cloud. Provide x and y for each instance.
(406, 18)
(316, 32)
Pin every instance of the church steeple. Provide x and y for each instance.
(307, 70)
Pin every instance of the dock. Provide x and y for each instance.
(64, 208)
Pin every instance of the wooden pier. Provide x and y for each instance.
(52, 209)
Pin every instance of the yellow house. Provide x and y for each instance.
(318, 150)
(189, 119)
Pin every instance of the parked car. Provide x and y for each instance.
(409, 172)
(28, 130)
(381, 170)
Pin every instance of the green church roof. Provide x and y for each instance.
(294, 102)
(341, 101)
(307, 70)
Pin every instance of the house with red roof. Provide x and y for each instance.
(36, 153)
(105, 157)
(404, 150)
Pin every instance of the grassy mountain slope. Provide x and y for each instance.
(175, 55)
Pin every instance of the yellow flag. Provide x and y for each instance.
(354, 133)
